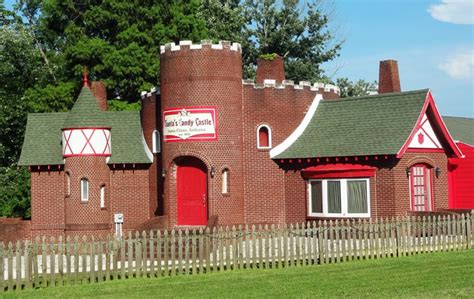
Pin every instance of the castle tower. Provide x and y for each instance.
(86, 146)
(201, 105)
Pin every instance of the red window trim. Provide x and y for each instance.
(338, 171)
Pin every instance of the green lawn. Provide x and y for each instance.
(438, 275)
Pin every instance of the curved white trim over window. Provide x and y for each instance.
(102, 196)
(84, 189)
(156, 142)
(225, 181)
(339, 197)
(264, 144)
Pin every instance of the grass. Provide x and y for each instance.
(437, 275)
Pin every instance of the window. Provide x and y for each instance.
(225, 181)
(102, 196)
(339, 197)
(68, 184)
(156, 142)
(84, 189)
(420, 188)
(264, 137)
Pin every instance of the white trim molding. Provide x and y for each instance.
(269, 130)
(299, 130)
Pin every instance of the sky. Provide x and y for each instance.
(433, 42)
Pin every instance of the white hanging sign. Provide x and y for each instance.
(195, 123)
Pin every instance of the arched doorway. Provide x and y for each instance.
(191, 187)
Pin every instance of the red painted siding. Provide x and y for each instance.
(461, 179)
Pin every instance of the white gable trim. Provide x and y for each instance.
(299, 130)
(425, 137)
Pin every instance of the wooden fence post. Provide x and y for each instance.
(469, 230)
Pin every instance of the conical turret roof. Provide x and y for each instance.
(85, 113)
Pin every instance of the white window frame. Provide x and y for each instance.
(156, 142)
(102, 196)
(269, 137)
(225, 181)
(344, 206)
(85, 185)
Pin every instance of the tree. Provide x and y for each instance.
(119, 41)
(296, 31)
(355, 89)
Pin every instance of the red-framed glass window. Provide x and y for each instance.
(421, 191)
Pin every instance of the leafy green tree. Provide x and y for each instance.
(298, 31)
(15, 192)
(118, 40)
(357, 88)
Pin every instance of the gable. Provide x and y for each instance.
(431, 126)
(424, 136)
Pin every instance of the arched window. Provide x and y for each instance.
(102, 196)
(84, 189)
(225, 181)
(156, 142)
(264, 137)
(421, 182)
(68, 184)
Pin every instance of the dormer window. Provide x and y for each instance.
(156, 144)
(264, 137)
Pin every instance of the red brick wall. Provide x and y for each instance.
(78, 212)
(130, 193)
(47, 201)
(206, 77)
(150, 123)
(13, 229)
(389, 188)
(264, 182)
(270, 69)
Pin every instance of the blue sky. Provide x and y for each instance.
(432, 49)
(433, 41)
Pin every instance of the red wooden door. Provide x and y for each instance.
(192, 192)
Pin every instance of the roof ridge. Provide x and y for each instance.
(378, 96)
(458, 117)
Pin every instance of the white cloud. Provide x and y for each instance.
(459, 65)
(453, 11)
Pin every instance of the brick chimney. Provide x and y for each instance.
(100, 93)
(270, 69)
(389, 79)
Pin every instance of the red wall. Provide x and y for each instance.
(461, 179)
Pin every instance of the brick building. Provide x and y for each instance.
(203, 150)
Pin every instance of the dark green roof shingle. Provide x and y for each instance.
(460, 128)
(42, 143)
(85, 112)
(370, 125)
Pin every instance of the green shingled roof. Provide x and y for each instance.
(460, 128)
(42, 144)
(371, 125)
(85, 112)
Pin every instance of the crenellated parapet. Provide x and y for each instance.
(269, 83)
(204, 44)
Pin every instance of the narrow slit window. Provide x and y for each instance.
(68, 184)
(84, 190)
(225, 181)
(156, 142)
(102, 197)
(264, 137)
